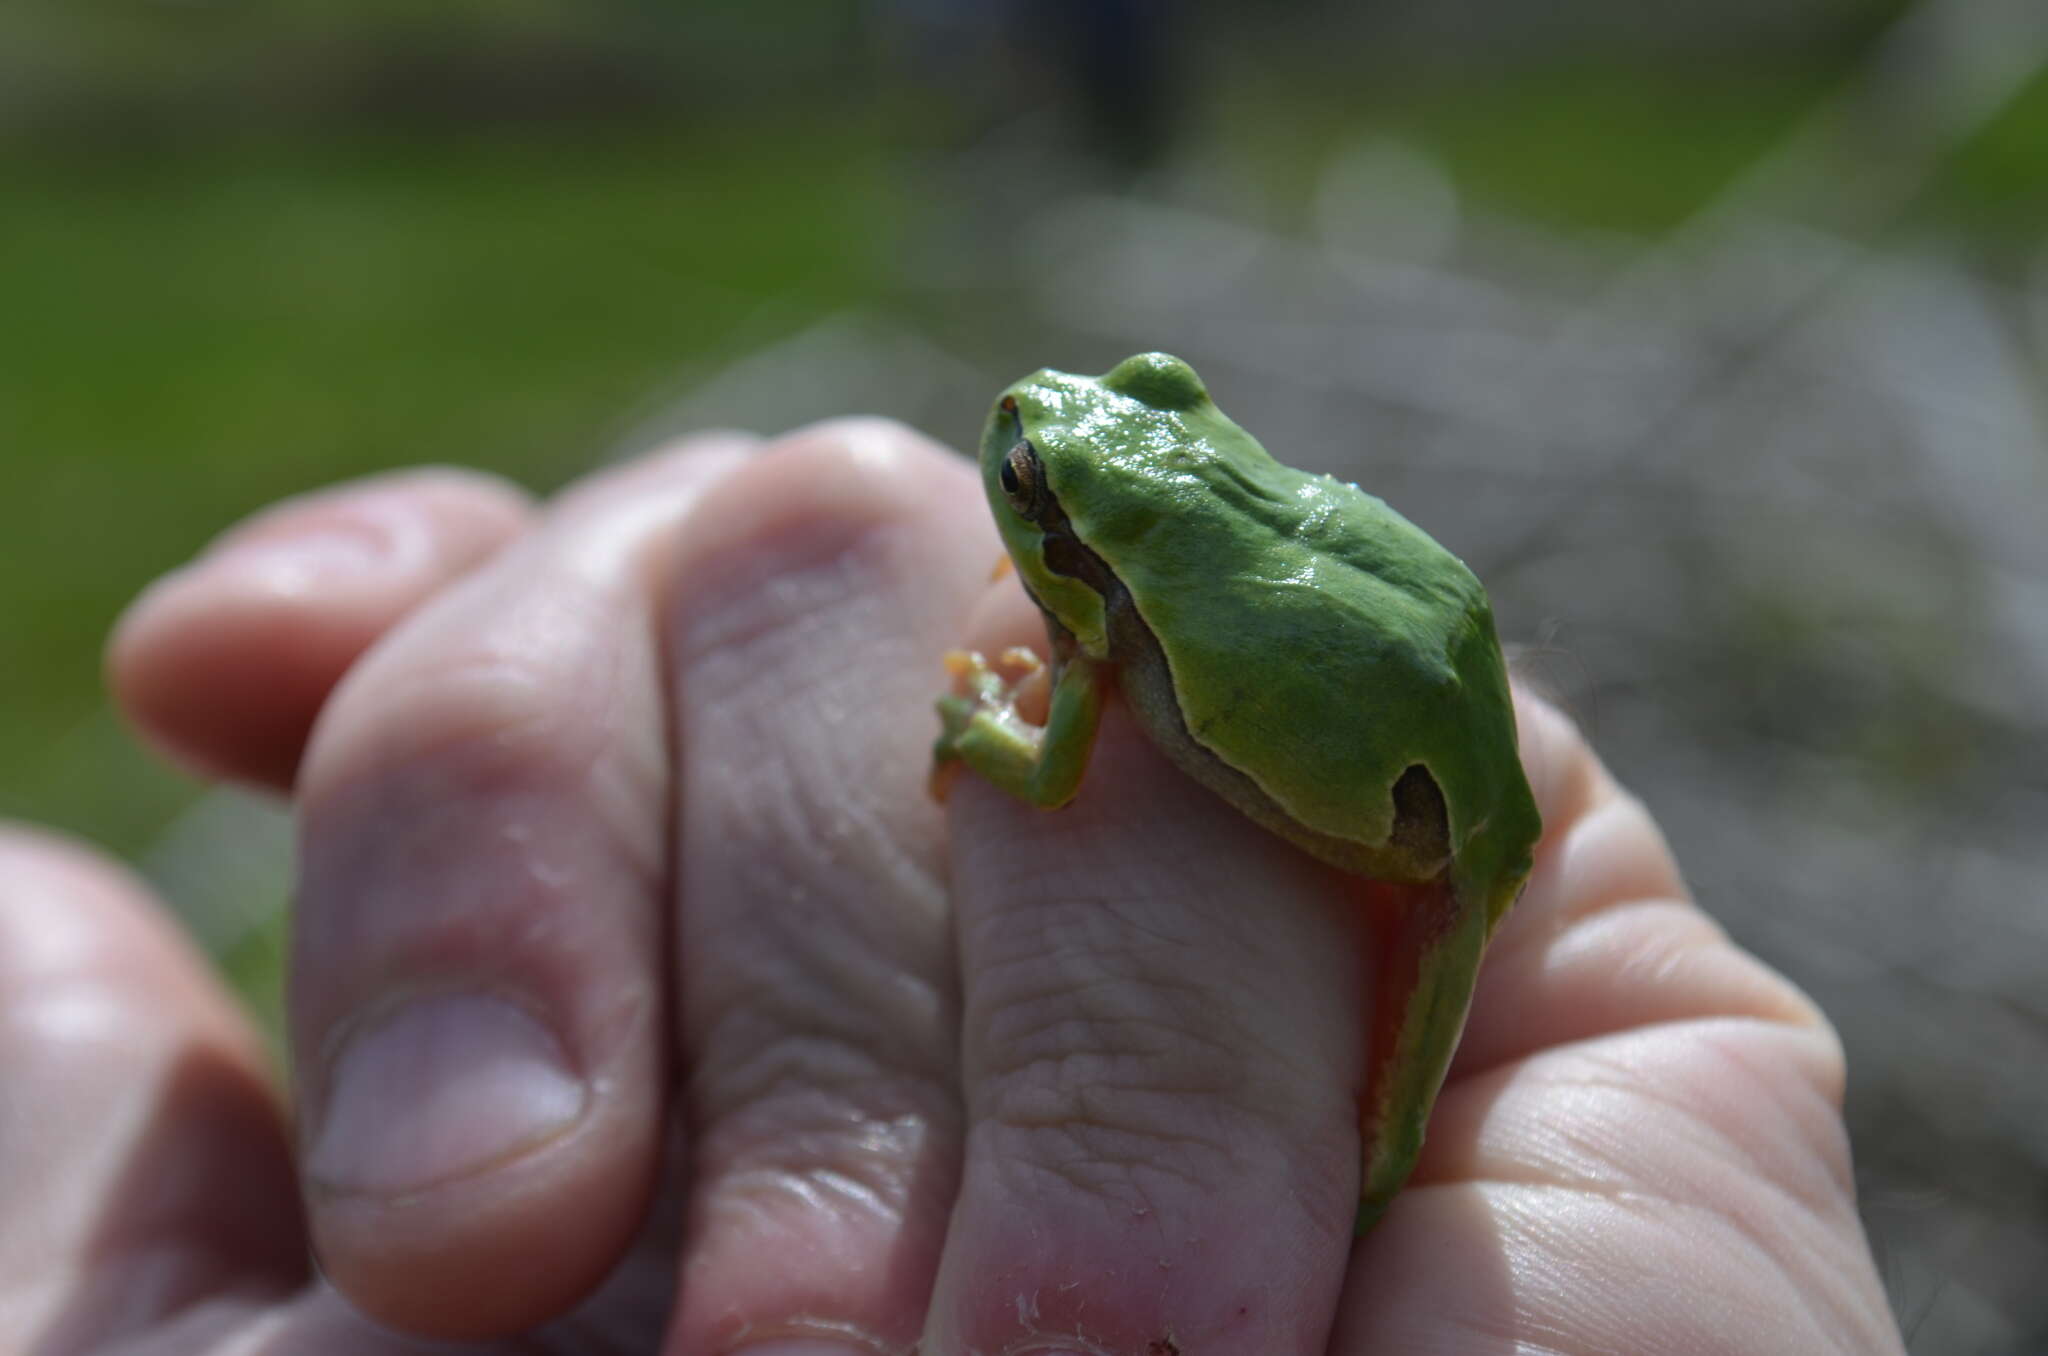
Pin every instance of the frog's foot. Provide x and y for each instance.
(987, 704)
(987, 723)
(1018, 676)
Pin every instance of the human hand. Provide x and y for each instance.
(620, 841)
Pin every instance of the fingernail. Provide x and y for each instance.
(322, 542)
(283, 561)
(443, 1087)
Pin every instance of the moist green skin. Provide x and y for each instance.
(1290, 641)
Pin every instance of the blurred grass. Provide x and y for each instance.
(1993, 193)
(1629, 149)
(191, 336)
(1602, 148)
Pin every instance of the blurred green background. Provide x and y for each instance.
(249, 250)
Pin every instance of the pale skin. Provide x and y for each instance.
(618, 830)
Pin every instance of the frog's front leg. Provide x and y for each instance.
(982, 727)
(1432, 936)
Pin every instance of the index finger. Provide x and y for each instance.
(478, 1007)
(224, 663)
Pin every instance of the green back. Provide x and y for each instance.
(1311, 630)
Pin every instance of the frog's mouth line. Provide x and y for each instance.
(1065, 555)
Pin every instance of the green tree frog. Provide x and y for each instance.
(1290, 642)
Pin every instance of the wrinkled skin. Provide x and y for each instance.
(614, 844)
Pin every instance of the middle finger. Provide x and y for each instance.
(818, 1009)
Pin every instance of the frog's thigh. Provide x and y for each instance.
(1432, 942)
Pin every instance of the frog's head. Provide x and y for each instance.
(1051, 452)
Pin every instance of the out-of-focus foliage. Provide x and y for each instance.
(171, 70)
(190, 336)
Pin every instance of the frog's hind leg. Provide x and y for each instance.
(1431, 940)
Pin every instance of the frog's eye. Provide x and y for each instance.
(1023, 479)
